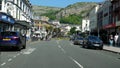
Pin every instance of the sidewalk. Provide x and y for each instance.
(112, 49)
(28, 41)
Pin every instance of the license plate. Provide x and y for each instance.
(96, 45)
(6, 39)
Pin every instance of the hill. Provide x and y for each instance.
(40, 10)
(72, 14)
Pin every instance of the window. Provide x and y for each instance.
(17, 2)
(8, 33)
(0, 4)
(21, 4)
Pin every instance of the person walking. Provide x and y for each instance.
(111, 40)
(118, 40)
(115, 39)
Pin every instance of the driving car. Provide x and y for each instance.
(11, 39)
(78, 40)
(92, 42)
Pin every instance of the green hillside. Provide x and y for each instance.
(72, 14)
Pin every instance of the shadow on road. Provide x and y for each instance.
(8, 50)
(89, 48)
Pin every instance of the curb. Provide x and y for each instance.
(111, 51)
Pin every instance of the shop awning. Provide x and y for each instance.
(6, 18)
(24, 23)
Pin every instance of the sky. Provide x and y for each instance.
(59, 3)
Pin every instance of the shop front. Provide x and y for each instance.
(23, 27)
(6, 22)
(109, 29)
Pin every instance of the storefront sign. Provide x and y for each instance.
(109, 26)
(6, 18)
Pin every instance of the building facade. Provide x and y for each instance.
(115, 12)
(93, 19)
(85, 25)
(21, 11)
(105, 25)
(108, 19)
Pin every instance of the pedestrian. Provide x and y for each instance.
(115, 39)
(111, 40)
(118, 41)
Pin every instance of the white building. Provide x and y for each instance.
(85, 25)
(20, 10)
(56, 23)
(78, 28)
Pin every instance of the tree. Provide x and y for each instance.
(72, 30)
(72, 19)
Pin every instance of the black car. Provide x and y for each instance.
(11, 39)
(92, 42)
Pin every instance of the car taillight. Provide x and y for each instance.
(15, 37)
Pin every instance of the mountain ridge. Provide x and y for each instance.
(72, 14)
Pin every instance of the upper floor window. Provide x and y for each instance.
(21, 4)
(17, 2)
(0, 4)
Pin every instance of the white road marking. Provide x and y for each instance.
(59, 46)
(9, 59)
(18, 54)
(29, 51)
(14, 56)
(71, 44)
(3, 64)
(76, 62)
(63, 50)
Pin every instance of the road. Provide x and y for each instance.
(58, 54)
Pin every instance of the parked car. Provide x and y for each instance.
(71, 38)
(78, 40)
(92, 42)
(11, 39)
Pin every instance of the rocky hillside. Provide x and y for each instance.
(69, 10)
(77, 8)
(40, 10)
(72, 14)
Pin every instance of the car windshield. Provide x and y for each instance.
(79, 37)
(8, 34)
(94, 38)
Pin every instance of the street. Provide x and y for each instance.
(58, 54)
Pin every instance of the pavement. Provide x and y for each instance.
(112, 49)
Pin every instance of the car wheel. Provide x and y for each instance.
(83, 46)
(101, 48)
(18, 48)
(74, 43)
(86, 46)
(24, 47)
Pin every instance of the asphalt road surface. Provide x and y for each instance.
(58, 54)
